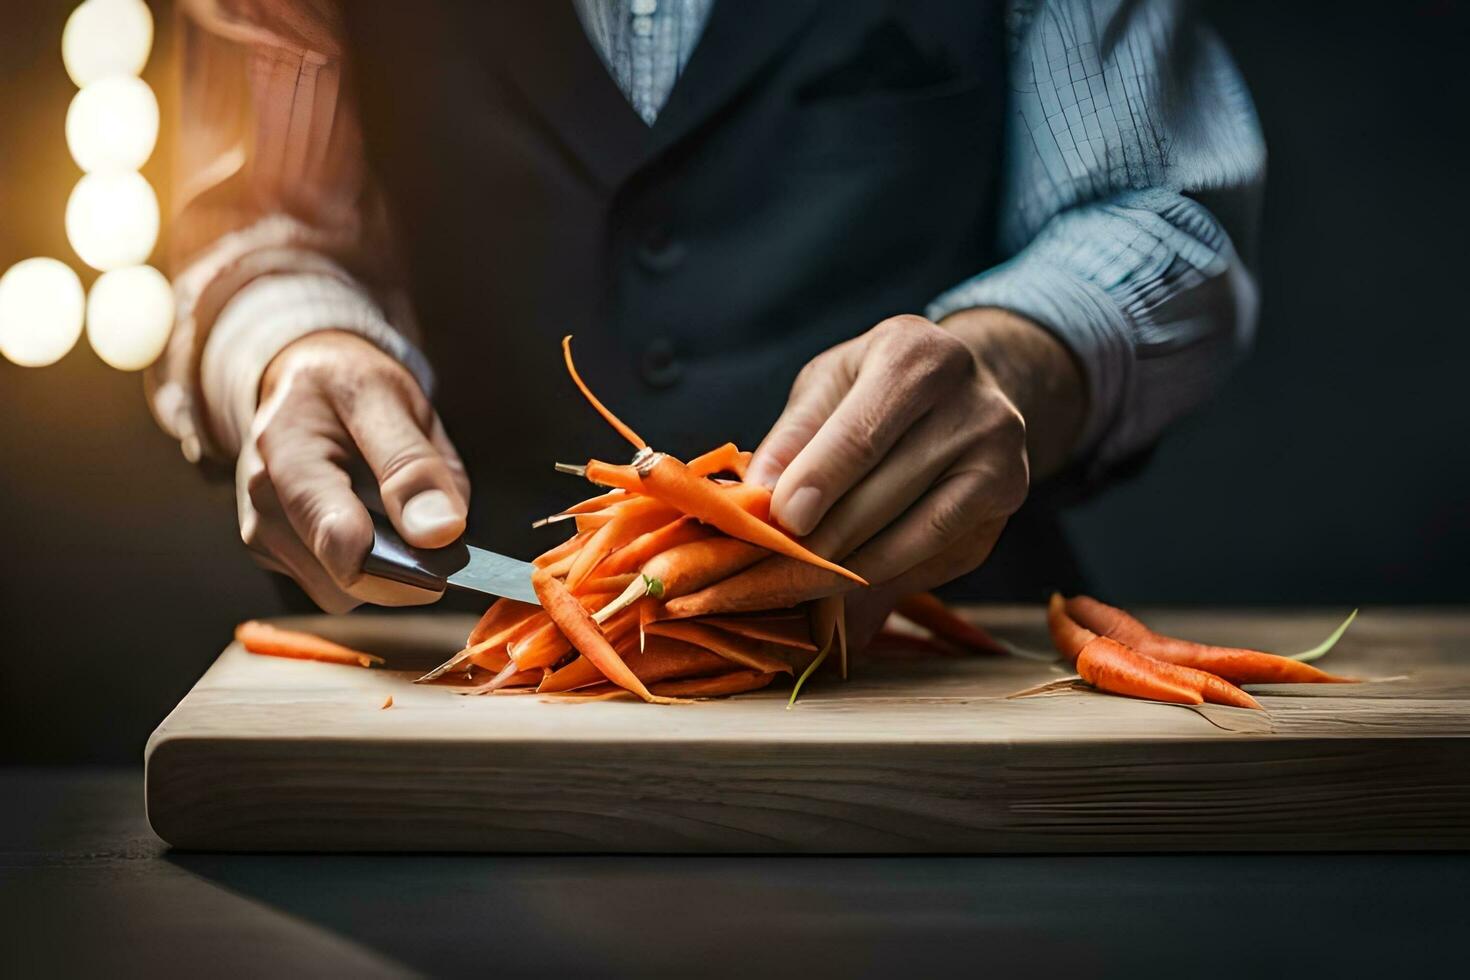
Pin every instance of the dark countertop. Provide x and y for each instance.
(85, 888)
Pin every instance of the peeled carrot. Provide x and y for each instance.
(569, 547)
(636, 517)
(735, 682)
(663, 659)
(624, 476)
(273, 641)
(925, 609)
(586, 636)
(1235, 664)
(772, 583)
(667, 479)
(684, 569)
(723, 459)
(786, 631)
(609, 583)
(737, 649)
(1066, 635)
(631, 556)
(502, 613)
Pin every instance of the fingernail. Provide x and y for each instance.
(800, 513)
(431, 513)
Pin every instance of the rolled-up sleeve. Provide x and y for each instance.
(277, 231)
(1134, 168)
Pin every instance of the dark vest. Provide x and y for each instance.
(817, 168)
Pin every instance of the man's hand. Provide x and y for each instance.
(332, 405)
(904, 451)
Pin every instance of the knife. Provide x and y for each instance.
(459, 566)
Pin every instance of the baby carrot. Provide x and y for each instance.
(667, 479)
(502, 613)
(568, 547)
(929, 611)
(273, 641)
(586, 636)
(1235, 664)
(636, 517)
(631, 556)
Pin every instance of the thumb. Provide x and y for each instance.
(420, 477)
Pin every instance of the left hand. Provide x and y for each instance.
(902, 453)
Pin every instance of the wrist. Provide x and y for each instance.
(1036, 372)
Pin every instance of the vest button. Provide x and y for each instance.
(660, 367)
(659, 252)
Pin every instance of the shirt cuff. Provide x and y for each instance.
(1081, 314)
(263, 318)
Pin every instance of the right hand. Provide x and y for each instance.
(330, 404)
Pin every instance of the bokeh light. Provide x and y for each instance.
(129, 314)
(41, 305)
(112, 220)
(106, 37)
(112, 124)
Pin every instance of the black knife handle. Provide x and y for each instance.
(394, 559)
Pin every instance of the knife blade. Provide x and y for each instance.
(458, 566)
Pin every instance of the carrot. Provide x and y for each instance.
(586, 636)
(772, 583)
(788, 631)
(587, 506)
(737, 649)
(502, 613)
(927, 610)
(1066, 635)
(636, 517)
(609, 583)
(735, 682)
(669, 480)
(631, 556)
(686, 568)
(612, 420)
(1234, 664)
(1124, 670)
(273, 641)
(568, 547)
(723, 459)
(1110, 666)
(663, 659)
(622, 476)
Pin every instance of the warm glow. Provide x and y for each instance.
(106, 37)
(41, 304)
(129, 314)
(112, 124)
(112, 220)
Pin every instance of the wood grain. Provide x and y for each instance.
(916, 756)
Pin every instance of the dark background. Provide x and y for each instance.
(1333, 471)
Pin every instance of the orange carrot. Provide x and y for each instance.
(771, 583)
(1066, 635)
(737, 649)
(787, 631)
(663, 659)
(667, 479)
(735, 682)
(609, 583)
(612, 420)
(273, 641)
(623, 476)
(724, 459)
(929, 611)
(1110, 666)
(568, 547)
(631, 556)
(1235, 664)
(586, 636)
(502, 613)
(686, 568)
(636, 517)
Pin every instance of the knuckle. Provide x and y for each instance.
(947, 519)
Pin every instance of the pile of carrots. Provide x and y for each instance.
(1115, 652)
(676, 584)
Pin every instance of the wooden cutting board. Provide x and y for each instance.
(927, 755)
